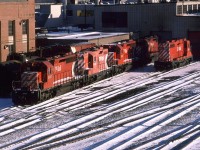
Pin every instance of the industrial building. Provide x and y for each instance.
(17, 27)
(167, 19)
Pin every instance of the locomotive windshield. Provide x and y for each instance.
(34, 66)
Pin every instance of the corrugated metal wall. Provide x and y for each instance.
(144, 18)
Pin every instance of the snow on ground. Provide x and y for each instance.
(163, 114)
(5, 103)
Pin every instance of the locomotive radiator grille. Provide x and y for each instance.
(80, 64)
(138, 52)
(29, 80)
(163, 52)
(110, 59)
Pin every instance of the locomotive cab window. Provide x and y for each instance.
(172, 45)
(62, 60)
(49, 70)
(70, 59)
(185, 44)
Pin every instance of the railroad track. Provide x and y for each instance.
(84, 130)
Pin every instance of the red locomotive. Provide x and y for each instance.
(173, 54)
(146, 50)
(85, 63)
(121, 54)
(42, 79)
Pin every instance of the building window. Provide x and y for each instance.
(80, 13)
(184, 9)
(89, 13)
(83, 13)
(189, 9)
(69, 13)
(114, 20)
(198, 7)
(194, 8)
(24, 27)
(11, 49)
(179, 9)
(11, 28)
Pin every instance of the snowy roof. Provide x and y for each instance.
(80, 35)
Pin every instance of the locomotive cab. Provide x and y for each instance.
(173, 54)
(96, 61)
(121, 51)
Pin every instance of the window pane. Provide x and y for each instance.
(89, 13)
(114, 19)
(11, 28)
(24, 27)
(184, 9)
(11, 49)
(69, 13)
(195, 8)
(80, 13)
(179, 9)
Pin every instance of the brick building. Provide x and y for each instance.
(17, 27)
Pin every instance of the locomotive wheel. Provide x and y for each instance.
(43, 97)
(175, 65)
(77, 84)
(187, 62)
(50, 96)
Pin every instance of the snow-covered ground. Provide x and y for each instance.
(5, 102)
(140, 109)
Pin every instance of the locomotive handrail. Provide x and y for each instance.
(30, 85)
(16, 84)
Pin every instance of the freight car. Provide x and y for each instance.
(173, 54)
(44, 78)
